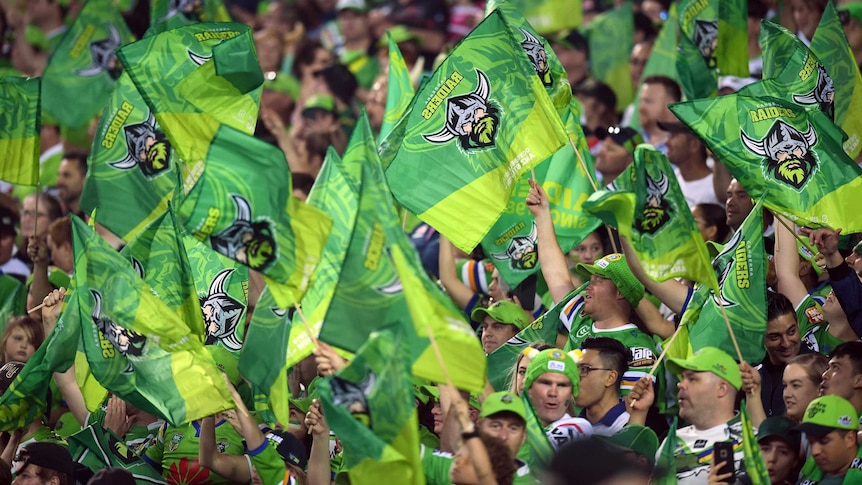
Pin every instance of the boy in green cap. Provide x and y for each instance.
(500, 322)
(551, 383)
(830, 424)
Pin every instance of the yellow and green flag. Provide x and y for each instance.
(547, 16)
(755, 467)
(19, 130)
(399, 89)
(171, 14)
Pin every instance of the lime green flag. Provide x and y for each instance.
(243, 208)
(665, 469)
(84, 69)
(755, 467)
(399, 91)
(540, 450)
(97, 448)
(154, 360)
(662, 232)
(732, 47)
(611, 38)
(370, 405)
(19, 130)
(696, 79)
(780, 149)
(170, 14)
(830, 44)
(480, 123)
(697, 57)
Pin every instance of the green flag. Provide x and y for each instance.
(780, 149)
(370, 405)
(19, 130)
(480, 123)
(154, 360)
(84, 69)
(663, 232)
(732, 48)
(399, 91)
(611, 38)
(242, 206)
(755, 467)
(170, 14)
(538, 444)
(665, 469)
(830, 44)
(697, 57)
(696, 79)
(97, 448)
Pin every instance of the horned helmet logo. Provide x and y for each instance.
(823, 94)
(353, 396)
(222, 313)
(124, 340)
(148, 149)
(190, 9)
(657, 211)
(250, 242)
(104, 59)
(538, 57)
(705, 37)
(721, 298)
(522, 251)
(789, 159)
(471, 118)
(198, 59)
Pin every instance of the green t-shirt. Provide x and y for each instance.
(268, 464)
(811, 475)
(175, 450)
(436, 465)
(814, 328)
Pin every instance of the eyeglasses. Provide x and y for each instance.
(584, 370)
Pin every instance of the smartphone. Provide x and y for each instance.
(722, 456)
(526, 292)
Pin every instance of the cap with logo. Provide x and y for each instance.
(8, 373)
(551, 360)
(358, 5)
(709, 359)
(503, 311)
(502, 402)
(289, 448)
(615, 268)
(637, 438)
(827, 414)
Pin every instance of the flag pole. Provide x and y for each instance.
(732, 335)
(595, 189)
(305, 325)
(663, 354)
(793, 231)
(439, 356)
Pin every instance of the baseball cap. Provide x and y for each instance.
(226, 362)
(112, 476)
(7, 221)
(614, 267)
(289, 448)
(551, 360)
(503, 311)
(48, 455)
(853, 9)
(709, 359)
(828, 413)
(302, 404)
(399, 34)
(358, 5)
(675, 127)
(779, 427)
(624, 136)
(503, 401)
(637, 438)
(571, 39)
(319, 101)
(8, 373)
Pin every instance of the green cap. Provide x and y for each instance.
(226, 362)
(302, 404)
(503, 311)
(431, 390)
(551, 360)
(320, 101)
(779, 427)
(854, 9)
(399, 34)
(503, 401)
(615, 268)
(474, 401)
(828, 413)
(709, 359)
(637, 438)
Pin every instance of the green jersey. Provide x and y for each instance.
(814, 328)
(436, 465)
(268, 463)
(175, 451)
(138, 438)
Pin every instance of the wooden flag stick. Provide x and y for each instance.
(439, 356)
(305, 325)
(732, 335)
(583, 165)
(798, 238)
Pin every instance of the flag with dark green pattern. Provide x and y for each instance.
(370, 405)
(697, 58)
(97, 448)
(242, 207)
(399, 91)
(611, 38)
(665, 469)
(662, 58)
(539, 445)
(830, 45)
(696, 79)
(83, 69)
(732, 48)
(170, 14)
(792, 155)
(20, 111)
(481, 122)
(755, 467)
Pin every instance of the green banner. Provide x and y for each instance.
(732, 55)
(399, 92)
(611, 38)
(20, 112)
(170, 14)
(98, 448)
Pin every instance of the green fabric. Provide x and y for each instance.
(369, 405)
(512, 127)
(611, 38)
(539, 450)
(363, 66)
(167, 14)
(67, 424)
(19, 130)
(156, 360)
(12, 299)
(228, 211)
(176, 450)
(696, 79)
(399, 90)
(436, 465)
(98, 448)
(732, 51)
(83, 69)
(546, 16)
(269, 465)
(665, 470)
(814, 328)
(819, 187)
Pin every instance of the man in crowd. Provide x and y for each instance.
(830, 423)
(500, 322)
(601, 370)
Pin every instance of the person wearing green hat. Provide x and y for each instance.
(636, 439)
(551, 382)
(830, 424)
(356, 51)
(780, 446)
(850, 14)
(500, 321)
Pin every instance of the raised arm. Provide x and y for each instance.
(460, 293)
(786, 261)
(551, 256)
(319, 471)
(671, 292)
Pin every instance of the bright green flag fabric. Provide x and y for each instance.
(170, 14)
(755, 467)
(697, 57)
(153, 360)
(830, 45)
(662, 58)
(243, 208)
(546, 16)
(370, 406)
(696, 79)
(663, 232)
(84, 69)
(732, 48)
(97, 448)
(399, 90)
(538, 444)
(780, 149)
(665, 469)
(611, 38)
(19, 130)
(480, 123)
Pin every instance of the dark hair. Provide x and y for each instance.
(500, 458)
(613, 353)
(113, 476)
(340, 81)
(317, 143)
(302, 182)
(50, 204)
(47, 474)
(757, 9)
(851, 350)
(304, 55)
(814, 364)
(645, 25)
(670, 86)
(778, 305)
(80, 157)
(715, 215)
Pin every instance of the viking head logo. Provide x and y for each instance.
(471, 118)
(250, 243)
(198, 59)
(538, 56)
(823, 95)
(103, 57)
(148, 149)
(222, 313)
(789, 159)
(657, 211)
(353, 396)
(190, 9)
(125, 341)
(721, 298)
(522, 251)
(705, 37)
